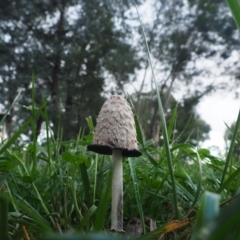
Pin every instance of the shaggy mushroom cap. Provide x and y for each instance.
(115, 129)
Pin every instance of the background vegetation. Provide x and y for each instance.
(80, 52)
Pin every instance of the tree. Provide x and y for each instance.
(77, 48)
(183, 37)
(73, 48)
(189, 127)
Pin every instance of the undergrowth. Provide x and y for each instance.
(59, 187)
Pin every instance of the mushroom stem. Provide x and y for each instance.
(117, 192)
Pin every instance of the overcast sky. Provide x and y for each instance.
(217, 108)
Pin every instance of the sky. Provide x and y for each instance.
(218, 109)
(215, 109)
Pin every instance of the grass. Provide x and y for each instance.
(70, 194)
(163, 124)
(234, 7)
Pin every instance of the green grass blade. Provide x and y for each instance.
(22, 128)
(104, 168)
(11, 106)
(151, 159)
(90, 124)
(136, 189)
(3, 218)
(27, 208)
(224, 226)
(230, 152)
(229, 180)
(103, 205)
(164, 127)
(183, 191)
(209, 209)
(182, 146)
(35, 189)
(172, 122)
(34, 128)
(234, 6)
(24, 205)
(87, 217)
(48, 131)
(19, 218)
(75, 202)
(86, 184)
(199, 184)
(140, 137)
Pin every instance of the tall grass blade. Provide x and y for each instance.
(95, 178)
(172, 122)
(3, 218)
(34, 130)
(136, 189)
(234, 6)
(100, 236)
(22, 128)
(140, 137)
(209, 210)
(27, 208)
(151, 159)
(11, 106)
(86, 184)
(103, 205)
(35, 189)
(87, 217)
(48, 132)
(183, 191)
(230, 152)
(16, 217)
(229, 180)
(164, 127)
(199, 184)
(223, 226)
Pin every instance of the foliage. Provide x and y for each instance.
(190, 31)
(68, 189)
(189, 126)
(74, 49)
(183, 39)
(80, 51)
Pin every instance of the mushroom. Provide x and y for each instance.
(115, 134)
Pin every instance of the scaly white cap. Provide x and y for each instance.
(115, 129)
